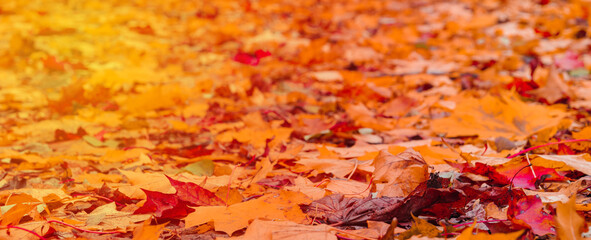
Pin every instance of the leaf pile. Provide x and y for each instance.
(275, 119)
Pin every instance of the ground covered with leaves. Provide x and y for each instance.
(311, 119)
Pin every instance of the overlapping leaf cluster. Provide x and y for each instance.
(294, 119)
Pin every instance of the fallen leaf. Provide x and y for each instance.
(569, 223)
(468, 235)
(251, 59)
(282, 205)
(554, 89)
(529, 212)
(401, 173)
(338, 209)
(14, 215)
(147, 231)
(420, 227)
(164, 205)
(504, 116)
(268, 230)
(194, 194)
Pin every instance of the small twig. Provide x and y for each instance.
(315, 214)
(321, 182)
(343, 238)
(449, 146)
(511, 183)
(582, 190)
(81, 229)
(354, 169)
(485, 148)
(368, 186)
(352, 234)
(530, 166)
(548, 144)
(26, 230)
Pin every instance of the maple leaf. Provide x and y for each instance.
(529, 211)
(555, 88)
(352, 84)
(402, 173)
(569, 222)
(251, 59)
(187, 152)
(514, 173)
(504, 116)
(194, 194)
(338, 209)
(164, 205)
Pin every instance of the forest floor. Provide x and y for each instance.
(310, 119)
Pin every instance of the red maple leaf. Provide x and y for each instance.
(251, 59)
(528, 211)
(523, 177)
(482, 169)
(194, 194)
(516, 174)
(522, 87)
(164, 205)
(187, 152)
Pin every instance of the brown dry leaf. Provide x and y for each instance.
(503, 116)
(569, 222)
(401, 173)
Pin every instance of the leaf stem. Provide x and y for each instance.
(548, 144)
